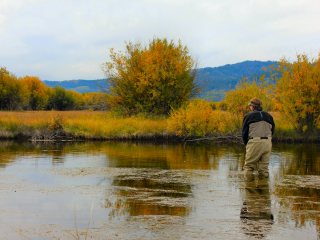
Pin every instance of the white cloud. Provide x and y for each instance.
(64, 39)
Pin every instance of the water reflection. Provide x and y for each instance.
(152, 193)
(130, 181)
(158, 187)
(11, 151)
(256, 214)
(298, 192)
(129, 155)
(300, 196)
(300, 159)
(166, 156)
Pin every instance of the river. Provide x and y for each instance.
(108, 190)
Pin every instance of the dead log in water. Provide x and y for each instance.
(218, 139)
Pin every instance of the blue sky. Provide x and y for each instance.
(70, 39)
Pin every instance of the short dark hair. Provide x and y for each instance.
(255, 103)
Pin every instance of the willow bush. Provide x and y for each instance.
(153, 79)
(298, 93)
(198, 119)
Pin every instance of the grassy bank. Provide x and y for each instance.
(89, 125)
(46, 125)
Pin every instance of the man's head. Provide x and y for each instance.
(255, 104)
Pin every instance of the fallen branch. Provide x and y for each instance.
(227, 138)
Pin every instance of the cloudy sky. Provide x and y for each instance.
(70, 39)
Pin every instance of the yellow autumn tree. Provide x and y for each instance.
(237, 99)
(37, 92)
(95, 101)
(152, 79)
(298, 93)
(12, 94)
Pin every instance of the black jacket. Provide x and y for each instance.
(253, 117)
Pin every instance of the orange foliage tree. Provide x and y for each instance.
(95, 101)
(37, 92)
(153, 79)
(237, 99)
(12, 95)
(298, 93)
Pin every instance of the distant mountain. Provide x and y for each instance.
(214, 82)
(81, 85)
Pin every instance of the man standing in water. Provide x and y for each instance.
(257, 130)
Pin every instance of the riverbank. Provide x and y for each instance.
(95, 125)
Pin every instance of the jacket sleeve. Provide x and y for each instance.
(273, 125)
(270, 120)
(245, 130)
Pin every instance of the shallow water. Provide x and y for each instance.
(145, 191)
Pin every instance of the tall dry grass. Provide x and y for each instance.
(82, 124)
(105, 125)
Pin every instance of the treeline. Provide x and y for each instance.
(158, 79)
(30, 93)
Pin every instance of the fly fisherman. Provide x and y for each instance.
(257, 130)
